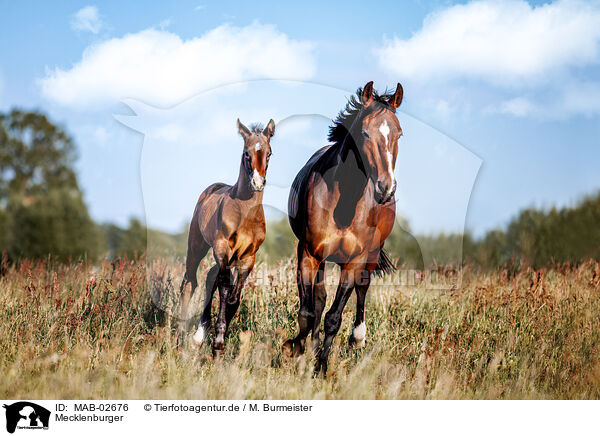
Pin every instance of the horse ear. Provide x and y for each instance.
(243, 130)
(366, 96)
(397, 97)
(270, 129)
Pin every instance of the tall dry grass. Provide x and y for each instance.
(85, 331)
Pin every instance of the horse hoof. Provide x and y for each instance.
(354, 343)
(358, 337)
(291, 348)
(320, 369)
(218, 349)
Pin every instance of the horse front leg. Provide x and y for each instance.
(243, 269)
(320, 296)
(358, 337)
(307, 270)
(333, 319)
(225, 286)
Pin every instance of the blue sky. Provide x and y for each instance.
(501, 97)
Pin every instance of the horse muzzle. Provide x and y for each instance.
(257, 182)
(384, 192)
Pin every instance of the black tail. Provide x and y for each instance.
(385, 264)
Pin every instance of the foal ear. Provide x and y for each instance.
(366, 96)
(243, 130)
(270, 129)
(397, 97)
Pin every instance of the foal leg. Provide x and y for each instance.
(307, 270)
(197, 249)
(225, 285)
(243, 269)
(359, 332)
(209, 291)
(333, 318)
(320, 300)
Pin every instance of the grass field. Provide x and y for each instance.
(89, 332)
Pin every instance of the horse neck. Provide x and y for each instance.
(351, 182)
(349, 159)
(242, 189)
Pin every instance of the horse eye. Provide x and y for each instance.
(365, 134)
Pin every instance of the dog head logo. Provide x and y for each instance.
(26, 415)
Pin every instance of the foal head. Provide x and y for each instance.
(257, 151)
(376, 136)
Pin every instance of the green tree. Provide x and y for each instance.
(42, 211)
(134, 239)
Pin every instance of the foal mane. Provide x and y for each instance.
(340, 128)
(256, 128)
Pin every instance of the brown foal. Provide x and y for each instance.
(341, 209)
(231, 220)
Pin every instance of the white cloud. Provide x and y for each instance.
(498, 42)
(571, 99)
(164, 24)
(158, 67)
(87, 19)
(519, 107)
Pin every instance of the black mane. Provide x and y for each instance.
(354, 108)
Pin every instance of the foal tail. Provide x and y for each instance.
(385, 264)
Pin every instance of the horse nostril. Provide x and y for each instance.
(384, 191)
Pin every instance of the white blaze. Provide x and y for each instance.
(257, 147)
(390, 159)
(385, 130)
(257, 180)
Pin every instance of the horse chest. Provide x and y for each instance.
(366, 231)
(246, 240)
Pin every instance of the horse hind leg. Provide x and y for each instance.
(197, 249)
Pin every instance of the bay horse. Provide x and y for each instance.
(342, 208)
(231, 220)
